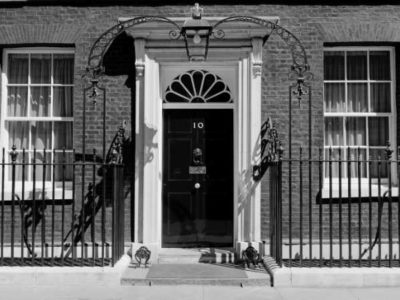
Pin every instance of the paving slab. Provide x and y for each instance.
(315, 293)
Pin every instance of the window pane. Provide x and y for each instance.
(357, 100)
(62, 135)
(333, 131)
(17, 68)
(378, 131)
(17, 101)
(62, 106)
(42, 160)
(332, 167)
(357, 65)
(63, 68)
(378, 167)
(334, 97)
(41, 135)
(379, 65)
(356, 131)
(380, 97)
(40, 101)
(63, 171)
(18, 134)
(19, 168)
(334, 65)
(358, 167)
(40, 68)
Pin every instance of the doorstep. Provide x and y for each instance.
(195, 274)
(196, 255)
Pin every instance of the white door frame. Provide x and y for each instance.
(150, 64)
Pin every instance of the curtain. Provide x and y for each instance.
(334, 97)
(356, 131)
(17, 101)
(62, 105)
(380, 97)
(357, 65)
(378, 131)
(40, 101)
(334, 65)
(63, 68)
(41, 132)
(40, 68)
(17, 68)
(63, 140)
(357, 97)
(379, 65)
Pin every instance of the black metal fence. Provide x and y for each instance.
(58, 209)
(338, 210)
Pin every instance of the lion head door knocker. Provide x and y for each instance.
(197, 167)
(197, 157)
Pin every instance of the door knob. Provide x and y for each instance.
(197, 185)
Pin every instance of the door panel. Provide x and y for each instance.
(198, 203)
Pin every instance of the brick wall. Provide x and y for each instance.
(313, 25)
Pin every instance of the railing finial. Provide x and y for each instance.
(14, 153)
(388, 151)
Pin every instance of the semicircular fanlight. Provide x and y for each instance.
(198, 86)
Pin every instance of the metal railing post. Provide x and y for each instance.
(117, 212)
(276, 211)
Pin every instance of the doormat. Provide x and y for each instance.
(188, 271)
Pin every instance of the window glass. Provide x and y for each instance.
(334, 65)
(380, 97)
(18, 134)
(356, 131)
(379, 65)
(40, 101)
(40, 68)
(63, 68)
(17, 101)
(39, 90)
(17, 69)
(357, 98)
(357, 108)
(378, 131)
(334, 95)
(333, 131)
(356, 65)
(62, 105)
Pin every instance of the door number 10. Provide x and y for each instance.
(198, 125)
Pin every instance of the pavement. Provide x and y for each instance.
(94, 283)
(84, 292)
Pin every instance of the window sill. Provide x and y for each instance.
(58, 195)
(365, 195)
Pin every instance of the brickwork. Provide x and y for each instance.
(313, 25)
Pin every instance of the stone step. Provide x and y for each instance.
(198, 255)
(195, 274)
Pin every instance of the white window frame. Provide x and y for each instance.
(4, 139)
(391, 116)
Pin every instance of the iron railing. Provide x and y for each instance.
(338, 210)
(57, 210)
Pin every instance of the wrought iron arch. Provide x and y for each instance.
(298, 51)
(98, 50)
(299, 57)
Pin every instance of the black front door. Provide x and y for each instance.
(198, 178)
